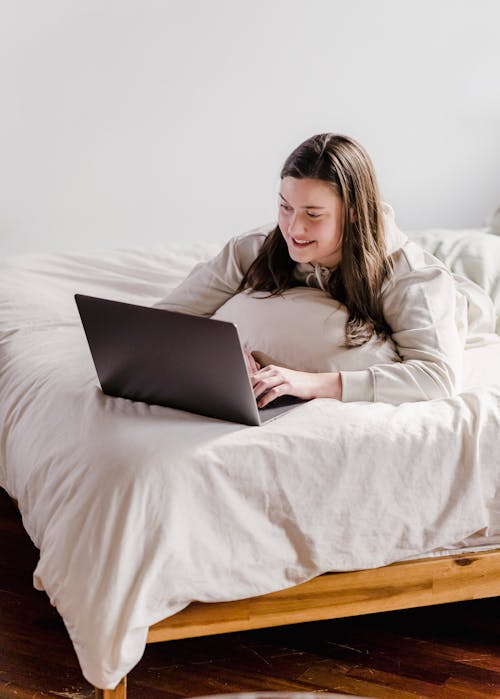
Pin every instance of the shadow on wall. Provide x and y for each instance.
(495, 223)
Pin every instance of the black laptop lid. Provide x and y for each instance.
(167, 358)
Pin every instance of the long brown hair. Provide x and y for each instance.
(364, 265)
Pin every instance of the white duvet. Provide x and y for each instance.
(138, 510)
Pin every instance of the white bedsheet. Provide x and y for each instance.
(138, 510)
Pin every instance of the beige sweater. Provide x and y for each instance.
(424, 304)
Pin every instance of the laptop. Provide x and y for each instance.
(173, 359)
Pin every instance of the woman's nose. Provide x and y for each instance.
(295, 225)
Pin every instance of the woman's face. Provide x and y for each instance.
(311, 216)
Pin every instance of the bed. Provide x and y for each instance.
(155, 524)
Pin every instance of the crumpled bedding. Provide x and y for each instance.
(138, 510)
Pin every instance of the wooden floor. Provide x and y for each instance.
(450, 651)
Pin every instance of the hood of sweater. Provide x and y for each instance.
(317, 276)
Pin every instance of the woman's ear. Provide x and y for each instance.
(352, 215)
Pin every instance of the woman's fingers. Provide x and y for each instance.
(271, 395)
(268, 384)
(252, 364)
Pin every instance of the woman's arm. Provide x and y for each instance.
(274, 381)
(420, 306)
(210, 284)
(427, 316)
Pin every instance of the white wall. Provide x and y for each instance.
(131, 122)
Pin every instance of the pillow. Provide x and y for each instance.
(474, 254)
(301, 329)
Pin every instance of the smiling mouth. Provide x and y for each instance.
(301, 243)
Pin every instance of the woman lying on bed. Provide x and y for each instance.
(335, 234)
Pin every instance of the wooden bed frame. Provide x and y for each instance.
(416, 583)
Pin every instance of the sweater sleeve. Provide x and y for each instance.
(210, 284)
(421, 306)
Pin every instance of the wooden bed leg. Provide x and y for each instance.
(120, 691)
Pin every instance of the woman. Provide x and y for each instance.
(334, 233)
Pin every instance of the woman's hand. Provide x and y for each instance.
(252, 364)
(274, 381)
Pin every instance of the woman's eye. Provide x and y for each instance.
(313, 215)
(285, 207)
